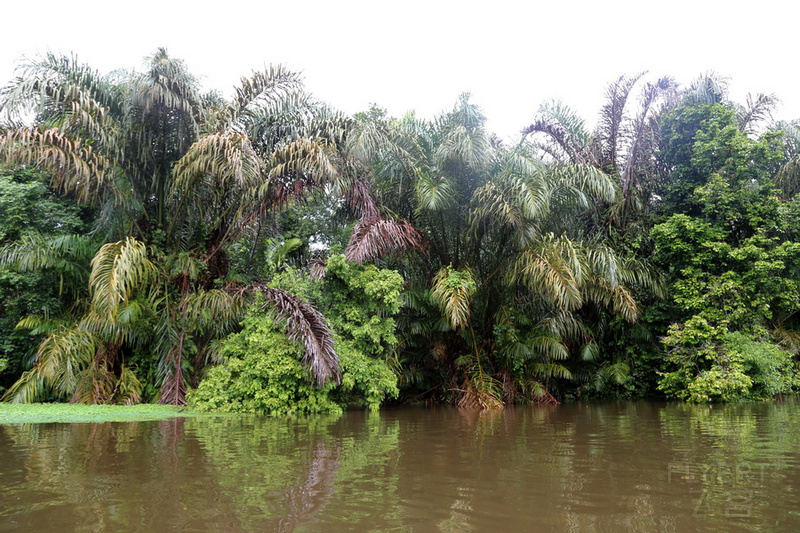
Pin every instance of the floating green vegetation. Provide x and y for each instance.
(37, 413)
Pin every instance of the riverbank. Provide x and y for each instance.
(37, 413)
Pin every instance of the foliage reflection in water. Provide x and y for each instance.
(582, 467)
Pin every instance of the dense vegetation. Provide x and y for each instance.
(266, 253)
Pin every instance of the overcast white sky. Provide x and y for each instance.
(421, 54)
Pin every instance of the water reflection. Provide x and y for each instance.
(591, 468)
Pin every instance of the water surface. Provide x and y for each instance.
(632, 466)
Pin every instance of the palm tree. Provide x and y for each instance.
(176, 176)
(623, 144)
(498, 300)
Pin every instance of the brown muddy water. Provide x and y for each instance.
(616, 467)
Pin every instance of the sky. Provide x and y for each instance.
(511, 55)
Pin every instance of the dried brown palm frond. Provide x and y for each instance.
(374, 238)
(479, 390)
(173, 388)
(308, 326)
(318, 267)
(361, 200)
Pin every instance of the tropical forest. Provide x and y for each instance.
(264, 253)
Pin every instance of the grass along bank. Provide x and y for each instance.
(36, 413)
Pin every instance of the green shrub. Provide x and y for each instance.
(708, 364)
(262, 374)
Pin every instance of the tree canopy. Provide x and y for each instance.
(276, 255)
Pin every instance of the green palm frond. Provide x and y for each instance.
(755, 112)
(118, 270)
(51, 83)
(570, 141)
(584, 181)
(434, 194)
(590, 351)
(295, 168)
(788, 177)
(221, 157)
(31, 387)
(464, 147)
(63, 355)
(67, 255)
(563, 325)
(553, 268)
(128, 388)
(60, 360)
(547, 371)
(76, 167)
(549, 348)
(453, 290)
(538, 392)
(216, 311)
(614, 373)
(268, 86)
(708, 88)
(619, 299)
(166, 85)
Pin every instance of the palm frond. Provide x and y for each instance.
(305, 324)
(128, 388)
(554, 269)
(756, 110)
(379, 237)
(53, 82)
(565, 129)
(551, 370)
(788, 177)
(612, 116)
(76, 167)
(295, 168)
(361, 200)
(268, 85)
(221, 157)
(118, 270)
(549, 348)
(31, 387)
(434, 194)
(479, 390)
(453, 291)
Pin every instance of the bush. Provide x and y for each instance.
(263, 372)
(708, 364)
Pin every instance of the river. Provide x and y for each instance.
(626, 466)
